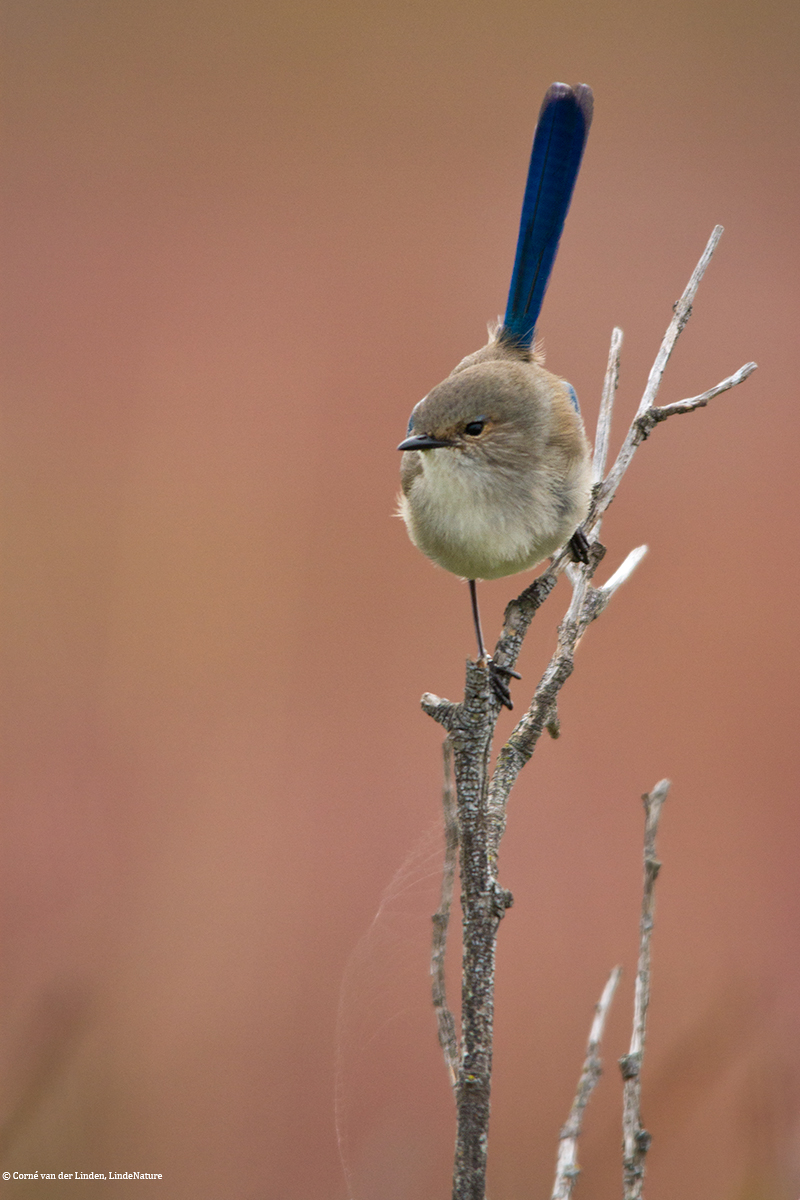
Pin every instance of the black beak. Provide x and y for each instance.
(423, 441)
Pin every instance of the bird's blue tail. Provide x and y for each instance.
(558, 143)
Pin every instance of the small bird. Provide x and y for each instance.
(495, 471)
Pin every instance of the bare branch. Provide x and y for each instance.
(606, 407)
(443, 711)
(567, 1169)
(518, 616)
(651, 418)
(680, 315)
(635, 1139)
(441, 919)
(623, 572)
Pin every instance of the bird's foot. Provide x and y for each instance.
(498, 677)
(579, 546)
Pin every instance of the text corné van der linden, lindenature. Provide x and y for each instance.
(86, 1175)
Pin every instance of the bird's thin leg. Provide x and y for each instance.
(476, 617)
(497, 674)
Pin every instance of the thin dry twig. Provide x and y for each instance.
(610, 383)
(623, 572)
(649, 420)
(567, 1169)
(445, 1020)
(635, 1139)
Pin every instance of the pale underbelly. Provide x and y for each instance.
(482, 539)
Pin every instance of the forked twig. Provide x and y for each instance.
(650, 419)
(636, 433)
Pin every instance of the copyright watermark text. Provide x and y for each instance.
(81, 1175)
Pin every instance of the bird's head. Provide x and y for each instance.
(491, 411)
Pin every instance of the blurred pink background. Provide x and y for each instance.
(241, 241)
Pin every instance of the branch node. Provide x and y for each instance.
(597, 553)
(646, 423)
(443, 711)
(643, 1141)
(630, 1065)
(652, 866)
(502, 899)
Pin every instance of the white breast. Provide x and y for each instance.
(484, 524)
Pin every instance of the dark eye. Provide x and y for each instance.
(475, 427)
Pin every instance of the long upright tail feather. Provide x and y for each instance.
(558, 144)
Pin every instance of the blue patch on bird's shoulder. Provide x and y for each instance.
(573, 395)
